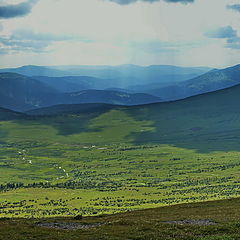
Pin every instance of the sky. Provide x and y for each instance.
(113, 32)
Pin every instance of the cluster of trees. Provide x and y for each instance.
(9, 186)
(55, 209)
(71, 184)
(197, 182)
(221, 190)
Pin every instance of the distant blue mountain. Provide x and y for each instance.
(31, 70)
(130, 75)
(208, 82)
(21, 93)
(121, 76)
(75, 83)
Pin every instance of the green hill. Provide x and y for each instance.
(116, 158)
(206, 118)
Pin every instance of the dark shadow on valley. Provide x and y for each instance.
(204, 128)
(73, 121)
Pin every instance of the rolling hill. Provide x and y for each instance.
(210, 81)
(75, 83)
(23, 93)
(6, 114)
(90, 159)
(206, 117)
(111, 97)
(19, 92)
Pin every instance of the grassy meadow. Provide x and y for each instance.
(117, 160)
(213, 220)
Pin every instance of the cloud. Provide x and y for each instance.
(3, 51)
(25, 34)
(222, 32)
(17, 10)
(125, 2)
(235, 7)
(7, 45)
(152, 46)
(159, 47)
(30, 41)
(228, 33)
(180, 1)
(233, 43)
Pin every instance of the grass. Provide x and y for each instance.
(120, 159)
(141, 224)
(111, 162)
(138, 165)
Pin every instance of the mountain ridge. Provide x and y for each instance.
(208, 82)
(122, 75)
(22, 93)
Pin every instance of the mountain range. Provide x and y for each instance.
(76, 83)
(121, 76)
(21, 93)
(210, 81)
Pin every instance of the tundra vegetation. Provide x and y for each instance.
(114, 161)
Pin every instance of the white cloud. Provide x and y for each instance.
(140, 33)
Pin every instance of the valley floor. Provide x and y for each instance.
(93, 164)
(110, 179)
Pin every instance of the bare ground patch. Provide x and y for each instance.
(204, 222)
(68, 225)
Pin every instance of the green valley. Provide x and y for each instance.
(114, 159)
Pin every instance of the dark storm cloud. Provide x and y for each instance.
(17, 10)
(125, 2)
(235, 7)
(222, 32)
